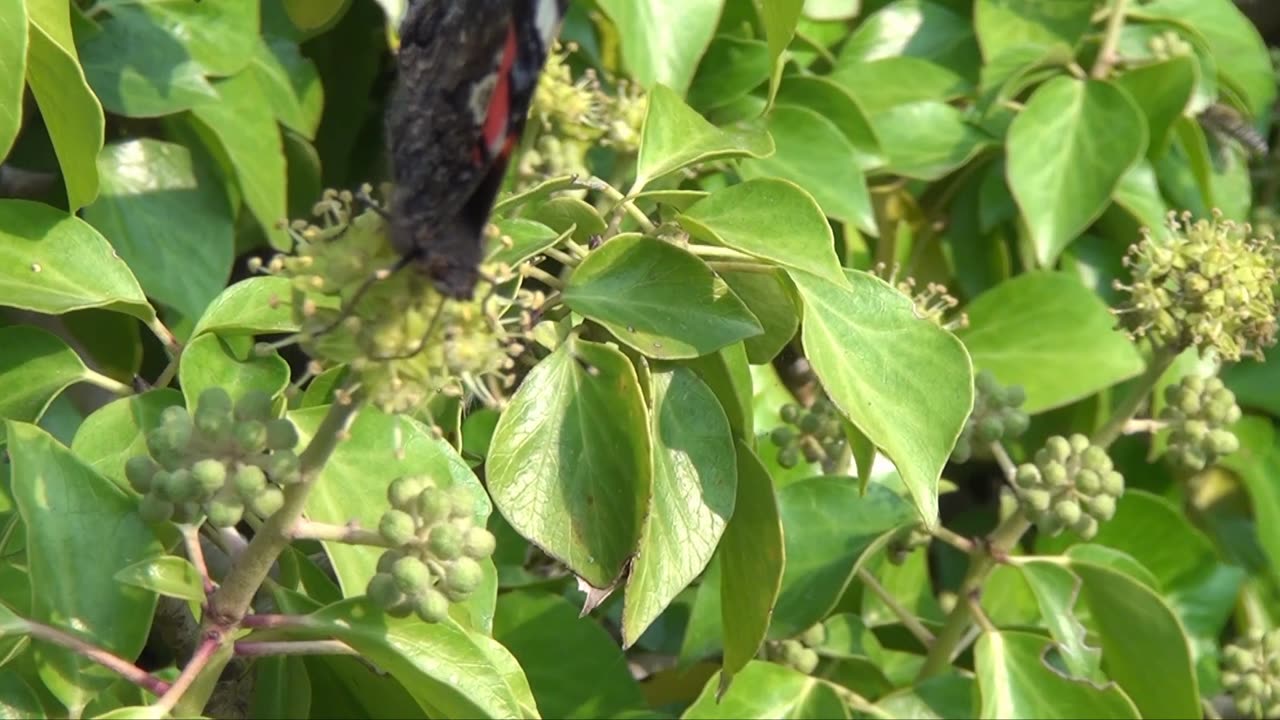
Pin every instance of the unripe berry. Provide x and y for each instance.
(962, 451)
(1222, 442)
(1095, 458)
(1055, 476)
(1079, 443)
(281, 434)
(248, 481)
(432, 505)
(209, 475)
(986, 384)
(814, 636)
(213, 412)
(788, 457)
(383, 591)
(1057, 448)
(1015, 423)
(478, 543)
(254, 405)
(397, 527)
(1013, 396)
(789, 413)
(412, 575)
(1028, 476)
(140, 470)
(186, 512)
(462, 503)
(283, 467)
(1038, 499)
(1102, 507)
(224, 511)
(1195, 429)
(387, 559)
(810, 422)
(431, 606)
(806, 661)
(1086, 526)
(251, 436)
(403, 491)
(1088, 482)
(180, 486)
(1113, 484)
(267, 502)
(989, 429)
(782, 436)
(463, 576)
(1067, 511)
(445, 542)
(154, 509)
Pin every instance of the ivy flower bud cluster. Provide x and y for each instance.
(1198, 412)
(437, 549)
(996, 417)
(1210, 285)
(1072, 484)
(1251, 673)
(798, 653)
(817, 433)
(222, 461)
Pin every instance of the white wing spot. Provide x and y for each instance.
(481, 93)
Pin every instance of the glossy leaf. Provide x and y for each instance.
(943, 696)
(675, 136)
(1258, 463)
(35, 366)
(659, 299)
(766, 690)
(526, 239)
(1003, 25)
(81, 530)
(669, 57)
(1162, 91)
(13, 70)
(146, 184)
(829, 99)
(1014, 681)
(771, 219)
(1064, 185)
(812, 152)
(245, 127)
(695, 478)
(914, 28)
(167, 575)
(450, 672)
(353, 486)
(727, 374)
(732, 67)
(291, 84)
(772, 299)
(902, 380)
(281, 688)
(590, 682)
(881, 85)
(926, 140)
(70, 110)
(779, 19)
(1056, 590)
(17, 699)
(752, 557)
(1051, 335)
(209, 361)
(570, 465)
(251, 306)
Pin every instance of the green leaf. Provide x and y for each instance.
(353, 486)
(70, 110)
(943, 696)
(1256, 384)
(752, 558)
(17, 699)
(928, 139)
(1144, 647)
(728, 374)
(658, 298)
(1051, 335)
(671, 56)
(245, 126)
(210, 361)
(675, 136)
(146, 184)
(281, 688)
(771, 219)
(823, 548)
(80, 531)
(732, 67)
(53, 263)
(35, 367)
(765, 690)
(915, 28)
(165, 575)
(314, 15)
(450, 672)
(13, 70)
(1003, 25)
(1162, 91)
(1139, 194)
(772, 299)
(570, 465)
(832, 101)
(1064, 185)
(1258, 464)
(291, 83)
(251, 306)
(1233, 40)
(902, 380)
(883, 84)
(117, 431)
(812, 152)
(1014, 681)
(1056, 590)
(779, 18)
(695, 478)
(592, 681)
(527, 239)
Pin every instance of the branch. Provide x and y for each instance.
(1107, 53)
(908, 618)
(106, 659)
(351, 533)
(1138, 395)
(250, 648)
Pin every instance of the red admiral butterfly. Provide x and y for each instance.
(467, 72)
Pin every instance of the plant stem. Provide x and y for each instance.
(538, 273)
(1132, 402)
(908, 618)
(250, 648)
(199, 661)
(1138, 426)
(350, 534)
(273, 621)
(106, 383)
(950, 537)
(106, 659)
(1107, 53)
(625, 203)
(1006, 463)
(166, 338)
(953, 632)
(195, 553)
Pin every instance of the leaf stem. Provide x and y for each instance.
(950, 537)
(351, 533)
(166, 337)
(195, 553)
(542, 275)
(199, 661)
(1107, 53)
(908, 618)
(109, 384)
(250, 648)
(1132, 402)
(105, 658)
(609, 191)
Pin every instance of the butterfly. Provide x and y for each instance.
(467, 71)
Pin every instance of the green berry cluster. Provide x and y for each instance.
(817, 434)
(798, 653)
(383, 335)
(1198, 412)
(996, 417)
(1251, 673)
(906, 541)
(436, 549)
(1210, 285)
(223, 460)
(1071, 484)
